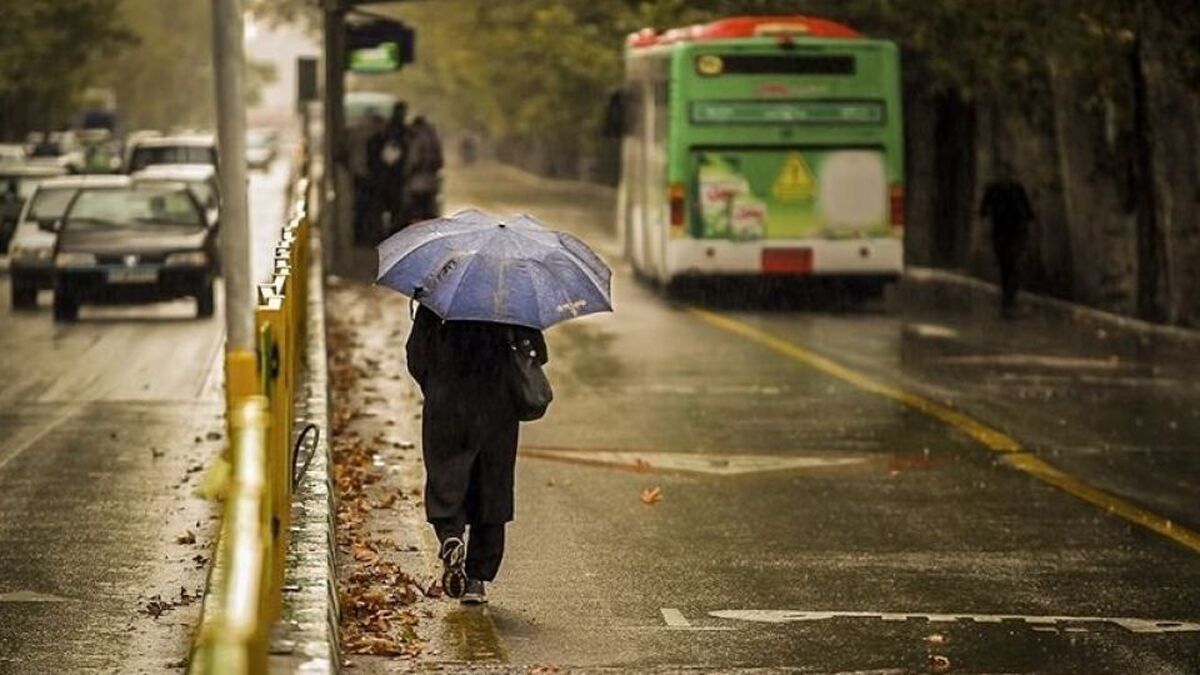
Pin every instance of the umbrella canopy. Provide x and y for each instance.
(472, 266)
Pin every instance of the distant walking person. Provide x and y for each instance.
(1007, 206)
(469, 432)
(423, 166)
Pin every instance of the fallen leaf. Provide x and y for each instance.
(363, 552)
(652, 495)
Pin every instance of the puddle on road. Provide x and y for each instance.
(470, 635)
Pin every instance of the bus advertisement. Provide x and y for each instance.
(762, 146)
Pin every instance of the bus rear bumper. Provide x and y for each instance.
(882, 257)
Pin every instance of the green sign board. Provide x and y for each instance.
(384, 58)
(782, 112)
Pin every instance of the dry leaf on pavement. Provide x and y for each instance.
(652, 495)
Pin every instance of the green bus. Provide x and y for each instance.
(762, 146)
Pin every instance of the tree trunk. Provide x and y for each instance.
(1172, 164)
(1151, 273)
(1102, 231)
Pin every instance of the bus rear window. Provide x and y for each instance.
(770, 64)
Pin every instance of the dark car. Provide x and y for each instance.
(31, 252)
(148, 242)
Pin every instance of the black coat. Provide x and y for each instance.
(1007, 205)
(469, 423)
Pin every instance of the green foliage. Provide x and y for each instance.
(50, 50)
(165, 79)
(536, 73)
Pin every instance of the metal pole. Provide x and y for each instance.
(335, 43)
(228, 68)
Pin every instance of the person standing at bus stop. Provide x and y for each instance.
(1007, 206)
(389, 148)
(423, 166)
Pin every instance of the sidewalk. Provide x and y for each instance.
(926, 289)
(394, 617)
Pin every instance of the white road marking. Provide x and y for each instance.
(691, 462)
(932, 330)
(29, 596)
(674, 618)
(1133, 625)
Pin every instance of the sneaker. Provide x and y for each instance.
(454, 575)
(475, 594)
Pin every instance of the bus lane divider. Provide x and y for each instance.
(1012, 453)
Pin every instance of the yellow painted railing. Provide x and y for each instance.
(254, 478)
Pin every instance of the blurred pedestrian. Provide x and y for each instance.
(423, 165)
(466, 150)
(469, 433)
(366, 207)
(390, 149)
(1007, 206)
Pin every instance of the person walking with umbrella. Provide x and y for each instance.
(485, 290)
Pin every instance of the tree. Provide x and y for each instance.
(50, 51)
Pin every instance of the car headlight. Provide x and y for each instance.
(75, 260)
(187, 259)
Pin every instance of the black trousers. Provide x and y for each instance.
(485, 546)
(366, 212)
(1008, 257)
(423, 205)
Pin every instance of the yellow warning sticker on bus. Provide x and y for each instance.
(795, 180)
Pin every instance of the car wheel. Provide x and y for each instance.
(66, 307)
(206, 302)
(23, 296)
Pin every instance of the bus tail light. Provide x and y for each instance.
(677, 205)
(896, 203)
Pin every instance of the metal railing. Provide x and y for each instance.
(244, 590)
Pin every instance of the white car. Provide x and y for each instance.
(14, 153)
(200, 178)
(31, 254)
(191, 149)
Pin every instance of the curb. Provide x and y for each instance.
(306, 638)
(925, 283)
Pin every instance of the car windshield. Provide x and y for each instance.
(204, 193)
(134, 207)
(171, 154)
(49, 204)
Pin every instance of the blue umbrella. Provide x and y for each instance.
(472, 266)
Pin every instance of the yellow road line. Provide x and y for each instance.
(993, 439)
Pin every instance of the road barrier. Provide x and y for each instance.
(244, 591)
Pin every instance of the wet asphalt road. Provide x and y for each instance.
(105, 426)
(807, 522)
